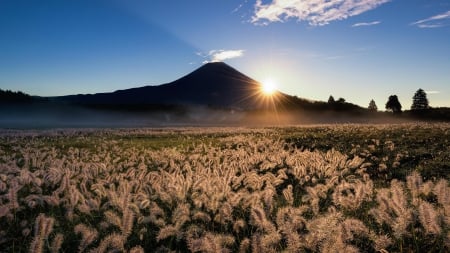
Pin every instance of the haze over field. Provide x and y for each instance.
(358, 50)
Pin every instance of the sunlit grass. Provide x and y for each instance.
(318, 189)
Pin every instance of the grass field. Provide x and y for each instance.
(326, 188)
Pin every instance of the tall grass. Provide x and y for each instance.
(245, 191)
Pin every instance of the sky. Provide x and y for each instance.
(355, 49)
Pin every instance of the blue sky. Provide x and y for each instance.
(355, 49)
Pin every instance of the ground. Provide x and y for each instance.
(350, 188)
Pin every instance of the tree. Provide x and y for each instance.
(393, 104)
(420, 101)
(372, 106)
(8, 96)
(341, 100)
(331, 100)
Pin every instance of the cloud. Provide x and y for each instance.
(430, 26)
(436, 21)
(366, 23)
(315, 12)
(334, 57)
(239, 7)
(221, 55)
(432, 92)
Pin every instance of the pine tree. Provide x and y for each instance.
(372, 106)
(331, 100)
(420, 101)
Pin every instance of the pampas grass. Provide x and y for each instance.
(429, 218)
(57, 242)
(88, 235)
(43, 226)
(229, 192)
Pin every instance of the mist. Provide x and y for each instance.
(37, 116)
(70, 116)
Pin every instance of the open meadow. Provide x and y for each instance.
(324, 188)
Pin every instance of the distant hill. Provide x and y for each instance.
(435, 114)
(7, 96)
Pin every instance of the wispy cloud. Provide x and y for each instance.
(335, 57)
(432, 92)
(430, 26)
(366, 23)
(436, 21)
(221, 55)
(239, 6)
(315, 12)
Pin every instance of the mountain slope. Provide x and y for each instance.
(213, 84)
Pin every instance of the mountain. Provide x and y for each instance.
(191, 99)
(215, 85)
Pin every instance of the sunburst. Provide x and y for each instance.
(268, 87)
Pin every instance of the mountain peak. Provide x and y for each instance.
(215, 65)
(213, 84)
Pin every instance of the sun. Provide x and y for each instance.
(268, 87)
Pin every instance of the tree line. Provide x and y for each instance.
(419, 103)
(8, 96)
(420, 108)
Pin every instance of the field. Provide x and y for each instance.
(326, 188)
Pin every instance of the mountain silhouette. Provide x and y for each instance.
(214, 84)
(213, 93)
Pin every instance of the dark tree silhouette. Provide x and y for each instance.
(341, 100)
(393, 104)
(331, 100)
(372, 106)
(420, 101)
(7, 96)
